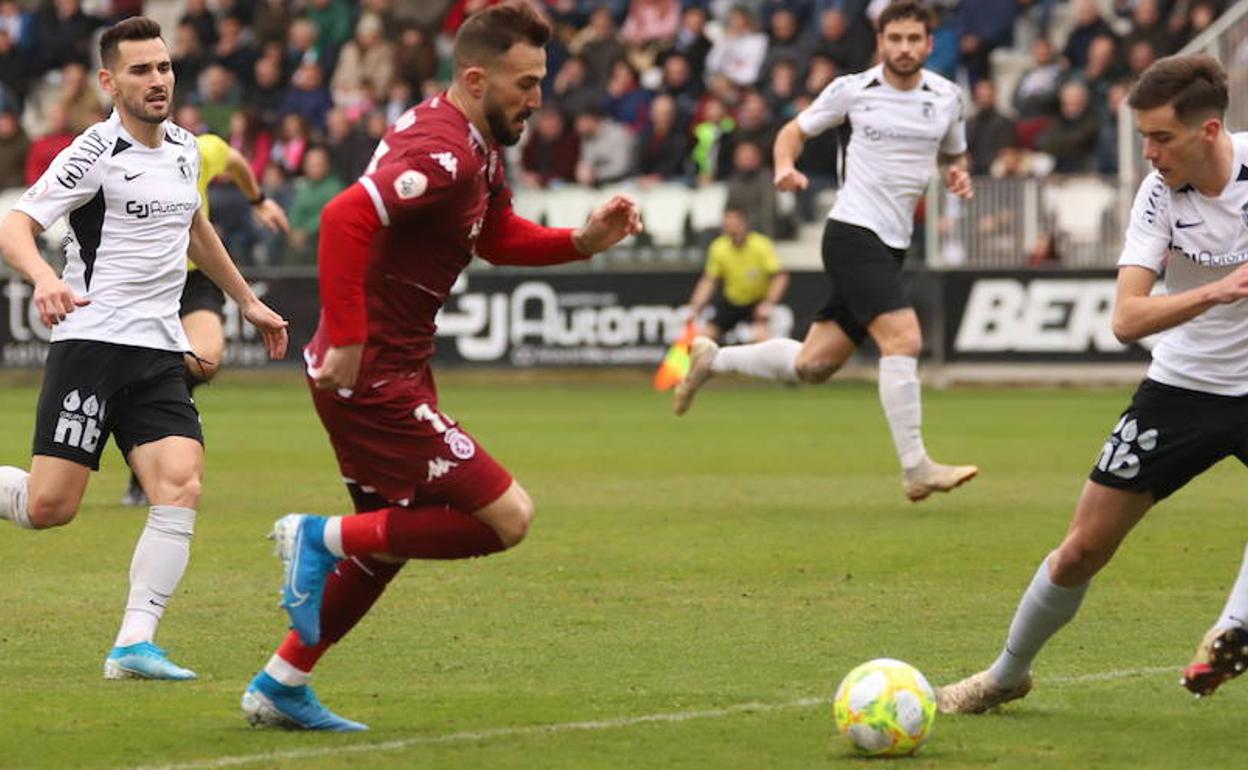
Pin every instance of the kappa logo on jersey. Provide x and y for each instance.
(79, 423)
(446, 160)
(475, 231)
(461, 446)
(439, 467)
(410, 184)
(1119, 455)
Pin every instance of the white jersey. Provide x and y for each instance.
(1196, 240)
(130, 209)
(894, 140)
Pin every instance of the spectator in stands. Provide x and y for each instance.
(14, 146)
(365, 64)
(301, 45)
(267, 89)
(196, 14)
(277, 188)
(750, 187)
(691, 40)
(1035, 97)
(1107, 134)
(988, 130)
(271, 21)
(708, 135)
(1139, 56)
(82, 104)
(754, 126)
(349, 148)
(986, 26)
(1089, 24)
(607, 149)
(680, 84)
(1072, 140)
(1013, 162)
(398, 101)
(307, 96)
(627, 102)
(572, 91)
(1103, 67)
(188, 116)
(551, 152)
(234, 49)
(946, 55)
(63, 34)
(650, 27)
(251, 139)
(292, 142)
(14, 74)
(189, 59)
(1185, 27)
(820, 71)
(782, 89)
(599, 45)
(415, 59)
(1147, 24)
(333, 24)
(313, 193)
(663, 149)
(17, 25)
(56, 137)
(786, 41)
(847, 41)
(743, 265)
(219, 98)
(740, 50)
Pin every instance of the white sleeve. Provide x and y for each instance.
(828, 110)
(1148, 231)
(73, 179)
(954, 140)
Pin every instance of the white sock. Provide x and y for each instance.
(159, 560)
(285, 673)
(1044, 609)
(903, 407)
(1235, 613)
(773, 359)
(14, 495)
(333, 536)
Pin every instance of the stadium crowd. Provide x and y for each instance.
(648, 91)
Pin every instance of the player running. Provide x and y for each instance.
(904, 119)
(392, 245)
(1190, 221)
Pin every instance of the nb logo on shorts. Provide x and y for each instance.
(439, 467)
(1119, 455)
(79, 423)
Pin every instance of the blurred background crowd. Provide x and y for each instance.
(643, 92)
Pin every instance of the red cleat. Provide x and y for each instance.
(1222, 655)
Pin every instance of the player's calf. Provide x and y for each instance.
(1222, 655)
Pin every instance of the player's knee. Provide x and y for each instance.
(814, 371)
(513, 527)
(1075, 562)
(904, 344)
(181, 488)
(49, 510)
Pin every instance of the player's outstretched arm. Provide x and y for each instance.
(263, 208)
(1138, 314)
(607, 225)
(788, 148)
(53, 298)
(207, 251)
(509, 239)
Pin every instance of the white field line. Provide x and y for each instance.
(469, 736)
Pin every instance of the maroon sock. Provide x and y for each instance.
(350, 591)
(431, 532)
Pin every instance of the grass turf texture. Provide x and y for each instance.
(752, 552)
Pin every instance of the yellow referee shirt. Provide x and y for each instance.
(744, 271)
(214, 156)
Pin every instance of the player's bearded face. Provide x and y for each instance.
(514, 92)
(505, 127)
(904, 46)
(143, 79)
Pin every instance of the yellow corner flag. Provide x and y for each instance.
(676, 363)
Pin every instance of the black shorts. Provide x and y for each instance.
(200, 293)
(865, 278)
(94, 389)
(1169, 436)
(727, 315)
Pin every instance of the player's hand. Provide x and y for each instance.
(959, 182)
(762, 312)
(609, 224)
(54, 300)
(790, 180)
(271, 216)
(340, 368)
(271, 325)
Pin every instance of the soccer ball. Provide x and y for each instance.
(885, 708)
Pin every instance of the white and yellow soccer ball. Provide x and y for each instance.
(885, 708)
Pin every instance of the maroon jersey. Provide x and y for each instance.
(435, 194)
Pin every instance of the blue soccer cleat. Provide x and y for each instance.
(143, 661)
(305, 565)
(269, 703)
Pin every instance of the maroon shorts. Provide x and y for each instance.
(390, 438)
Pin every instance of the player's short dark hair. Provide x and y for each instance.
(491, 33)
(133, 28)
(906, 9)
(1194, 85)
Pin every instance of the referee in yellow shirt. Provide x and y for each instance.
(746, 265)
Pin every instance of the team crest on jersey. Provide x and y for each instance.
(929, 110)
(1243, 214)
(461, 446)
(410, 184)
(184, 169)
(446, 160)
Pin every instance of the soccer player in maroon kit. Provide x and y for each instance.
(391, 247)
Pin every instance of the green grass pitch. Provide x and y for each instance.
(689, 597)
